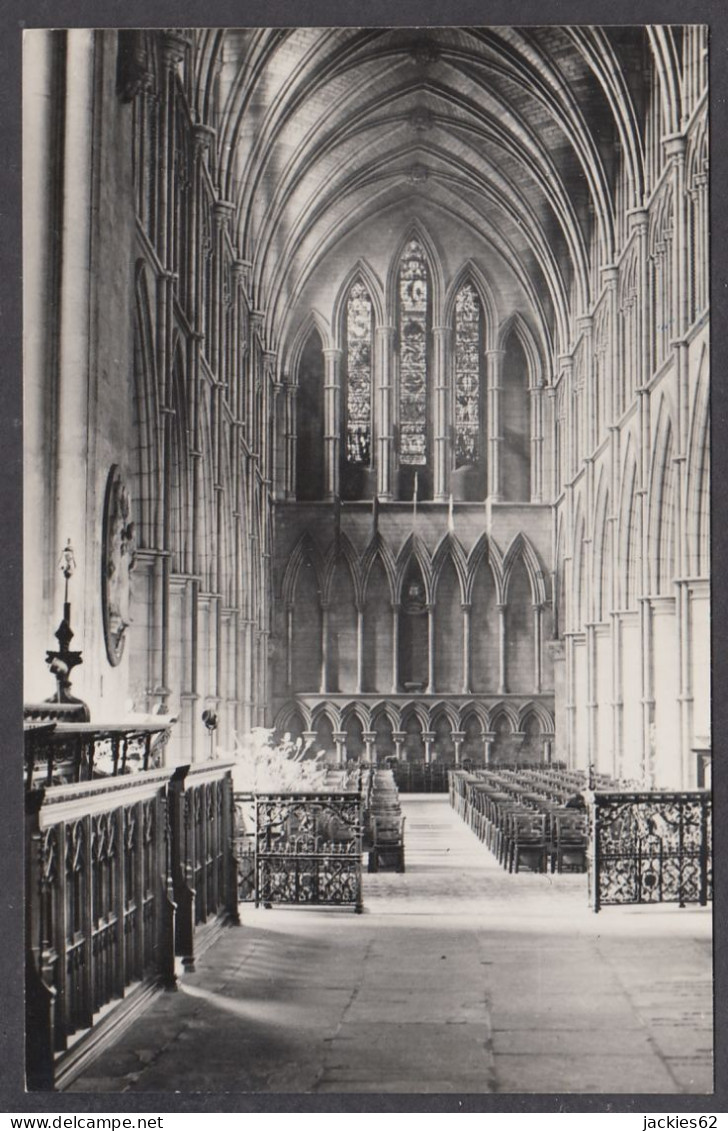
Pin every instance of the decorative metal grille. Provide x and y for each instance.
(308, 849)
(650, 848)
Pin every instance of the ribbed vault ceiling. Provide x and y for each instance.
(513, 132)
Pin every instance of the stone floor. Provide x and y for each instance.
(457, 978)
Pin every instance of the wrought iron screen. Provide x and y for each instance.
(308, 849)
(651, 847)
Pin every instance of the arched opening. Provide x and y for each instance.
(357, 481)
(413, 631)
(468, 479)
(516, 424)
(664, 544)
(377, 673)
(484, 644)
(342, 626)
(443, 745)
(324, 742)
(310, 421)
(531, 751)
(503, 751)
(413, 749)
(448, 631)
(383, 743)
(413, 330)
(292, 729)
(520, 661)
(472, 748)
(306, 643)
(354, 738)
(632, 557)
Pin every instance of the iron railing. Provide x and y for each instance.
(651, 847)
(308, 849)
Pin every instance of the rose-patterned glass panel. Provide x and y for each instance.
(359, 376)
(413, 293)
(467, 376)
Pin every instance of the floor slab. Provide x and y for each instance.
(457, 978)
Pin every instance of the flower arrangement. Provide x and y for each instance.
(266, 765)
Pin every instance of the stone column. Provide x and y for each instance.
(536, 398)
(395, 649)
(495, 370)
(339, 737)
(384, 356)
(537, 647)
(370, 737)
(332, 404)
(467, 609)
(324, 687)
(428, 737)
(488, 740)
(430, 649)
(309, 737)
(502, 685)
(547, 749)
(291, 392)
(398, 738)
(289, 644)
(442, 336)
(458, 737)
(359, 650)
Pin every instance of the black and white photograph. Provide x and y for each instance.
(366, 561)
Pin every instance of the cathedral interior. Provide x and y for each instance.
(366, 388)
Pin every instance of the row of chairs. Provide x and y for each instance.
(386, 824)
(522, 823)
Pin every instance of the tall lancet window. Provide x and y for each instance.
(467, 377)
(357, 447)
(413, 328)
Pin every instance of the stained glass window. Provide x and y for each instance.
(467, 376)
(359, 376)
(413, 355)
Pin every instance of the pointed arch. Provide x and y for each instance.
(522, 547)
(485, 549)
(661, 529)
(413, 548)
(473, 708)
(304, 550)
(471, 273)
(445, 709)
(697, 520)
(343, 552)
(450, 549)
(381, 708)
(326, 710)
(288, 713)
(378, 549)
(628, 530)
(416, 230)
(361, 272)
(517, 325)
(579, 571)
(503, 710)
(358, 711)
(538, 711)
(417, 709)
(601, 548)
(342, 599)
(293, 351)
